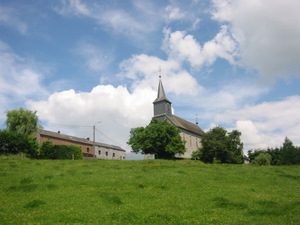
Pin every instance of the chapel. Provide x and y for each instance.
(191, 133)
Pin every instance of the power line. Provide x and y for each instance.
(69, 125)
(108, 137)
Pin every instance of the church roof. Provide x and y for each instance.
(186, 125)
(161, 96)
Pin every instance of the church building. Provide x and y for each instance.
(190, 133)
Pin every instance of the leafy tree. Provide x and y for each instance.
(159, 137)
(263, 159)
(21, 121)
(218, 144)
(14, 143)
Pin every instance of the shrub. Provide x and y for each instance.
(47, 150)
(14, 143)
(50, 151)
(262, 159)
(196, 155)
(66, 152)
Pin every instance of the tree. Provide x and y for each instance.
(14, 143)
(289, 153)
(218, 144)
(263, 159)
(21, 121)
(159, 137)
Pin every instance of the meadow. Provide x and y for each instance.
(146, 192)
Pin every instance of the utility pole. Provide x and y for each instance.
(94, 146)
(94, 141)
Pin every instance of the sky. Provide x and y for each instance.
(79, 63)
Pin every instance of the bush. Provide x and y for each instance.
(14, 143)
(50, 151)
(196, 155)
(262, 159)
(47, 150)
(66, 152)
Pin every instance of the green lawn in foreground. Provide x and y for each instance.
(146, 192)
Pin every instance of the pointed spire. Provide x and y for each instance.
(161, 92)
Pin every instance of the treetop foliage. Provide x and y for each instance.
(220, 145)
(22, 121)
(159, 137)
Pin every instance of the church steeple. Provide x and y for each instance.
(162, 105)
(161, 93)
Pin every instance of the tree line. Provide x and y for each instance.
(217, 146)
(19, 137)
(287, 154)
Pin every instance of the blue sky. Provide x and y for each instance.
(233, 63)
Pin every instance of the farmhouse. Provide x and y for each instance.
(89, 148)
(190, 133)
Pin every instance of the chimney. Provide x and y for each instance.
(58, 131)
(88, 138)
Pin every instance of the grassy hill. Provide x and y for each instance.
(146, 192)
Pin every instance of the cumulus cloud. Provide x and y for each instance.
(116, 108)
(266, 124)
(144, 70)
(267, 33)
(184, 47)
(10, 17)
(18, 79)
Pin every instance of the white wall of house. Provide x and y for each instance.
(109, 153)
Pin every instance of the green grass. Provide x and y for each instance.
(146, 192)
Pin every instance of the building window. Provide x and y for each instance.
(114, 154)
(106, 153)
(197, 143)
(99, 152)
(190, 140)
(87, 150)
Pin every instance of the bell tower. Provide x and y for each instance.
(162, 105)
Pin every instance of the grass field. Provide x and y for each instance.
(146, 192)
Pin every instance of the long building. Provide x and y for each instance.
(89, 148)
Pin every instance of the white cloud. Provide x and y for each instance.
(267, 32)
(116, 108)
(180, 46)
(144, 70)
(10, 17)
(174, 13)
(266, 124)
(18, 79)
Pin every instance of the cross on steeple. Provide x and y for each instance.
(159, 70)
